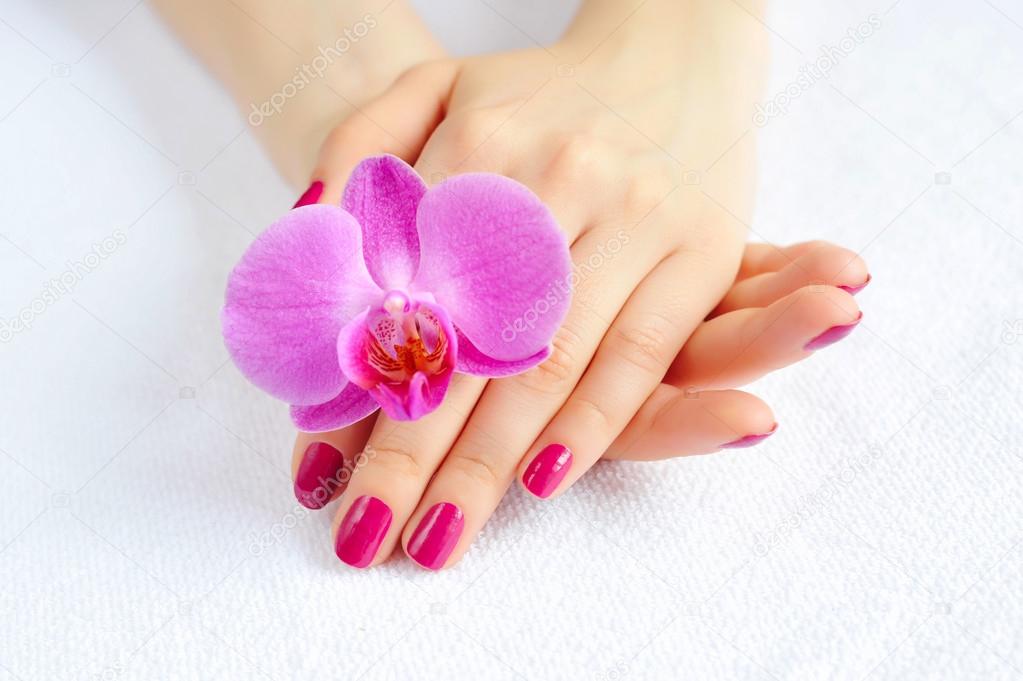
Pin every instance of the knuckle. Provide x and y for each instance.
(825, 264)
(397, 458)
(555, 375)
(576, 159)
(644, 347)
(644, 191)
(424, 70)
(596, 416)
(473, 128)
(477, 467)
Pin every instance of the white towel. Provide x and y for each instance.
(148, 530)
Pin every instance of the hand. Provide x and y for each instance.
(782, 300)
(655, 257)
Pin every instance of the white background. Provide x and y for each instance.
(143, 482)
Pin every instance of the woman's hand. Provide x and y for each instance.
(647, 164)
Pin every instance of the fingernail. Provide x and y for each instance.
(546, 471)
(318, 475)
(853, 290)
(311, 195)
(749, 440)
(436, 536)
(362, 531)
(832, 335)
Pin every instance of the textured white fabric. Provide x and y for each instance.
(148, 529)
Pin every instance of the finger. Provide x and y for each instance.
(826, 265)
(741, 346)
(760, 258)
(397, 122)
(388, 481)
(321, 463)
(629, 365)
(511, 413)
(674, 423)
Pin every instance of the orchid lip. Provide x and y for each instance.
(404, 337)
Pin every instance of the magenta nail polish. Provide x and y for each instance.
(436, 536)
(361, 532)
(547, 469)
(749, 440)
(856, 289)
(319, 475)
(311, 195)
(832, 335)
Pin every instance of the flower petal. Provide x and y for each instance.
(472, 361)
(297, 284)
(494, 258)
(352, 405)
(383, 194)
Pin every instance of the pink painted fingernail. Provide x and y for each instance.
(318, 475)
(311, 195)
(362, 531)
(856, 289)
(436, 536)
(749, 440)
(546, 471)
(832, 335)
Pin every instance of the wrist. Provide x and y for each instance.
(661, 35)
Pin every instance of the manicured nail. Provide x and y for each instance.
(319, 475)
(749, 440)
(311, 195)
(832, 335)
(546, 471)
(362, 530)
(856, 289)
(435, 538)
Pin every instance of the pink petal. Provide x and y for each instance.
(352, 405)
(297, 284)
(494, 258)
(383, 194)
(472, 361)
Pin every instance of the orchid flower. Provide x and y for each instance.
(341, 310)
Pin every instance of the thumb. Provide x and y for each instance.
(397, 122)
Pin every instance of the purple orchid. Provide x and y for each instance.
(376, 303)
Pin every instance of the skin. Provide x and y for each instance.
(651, 124)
